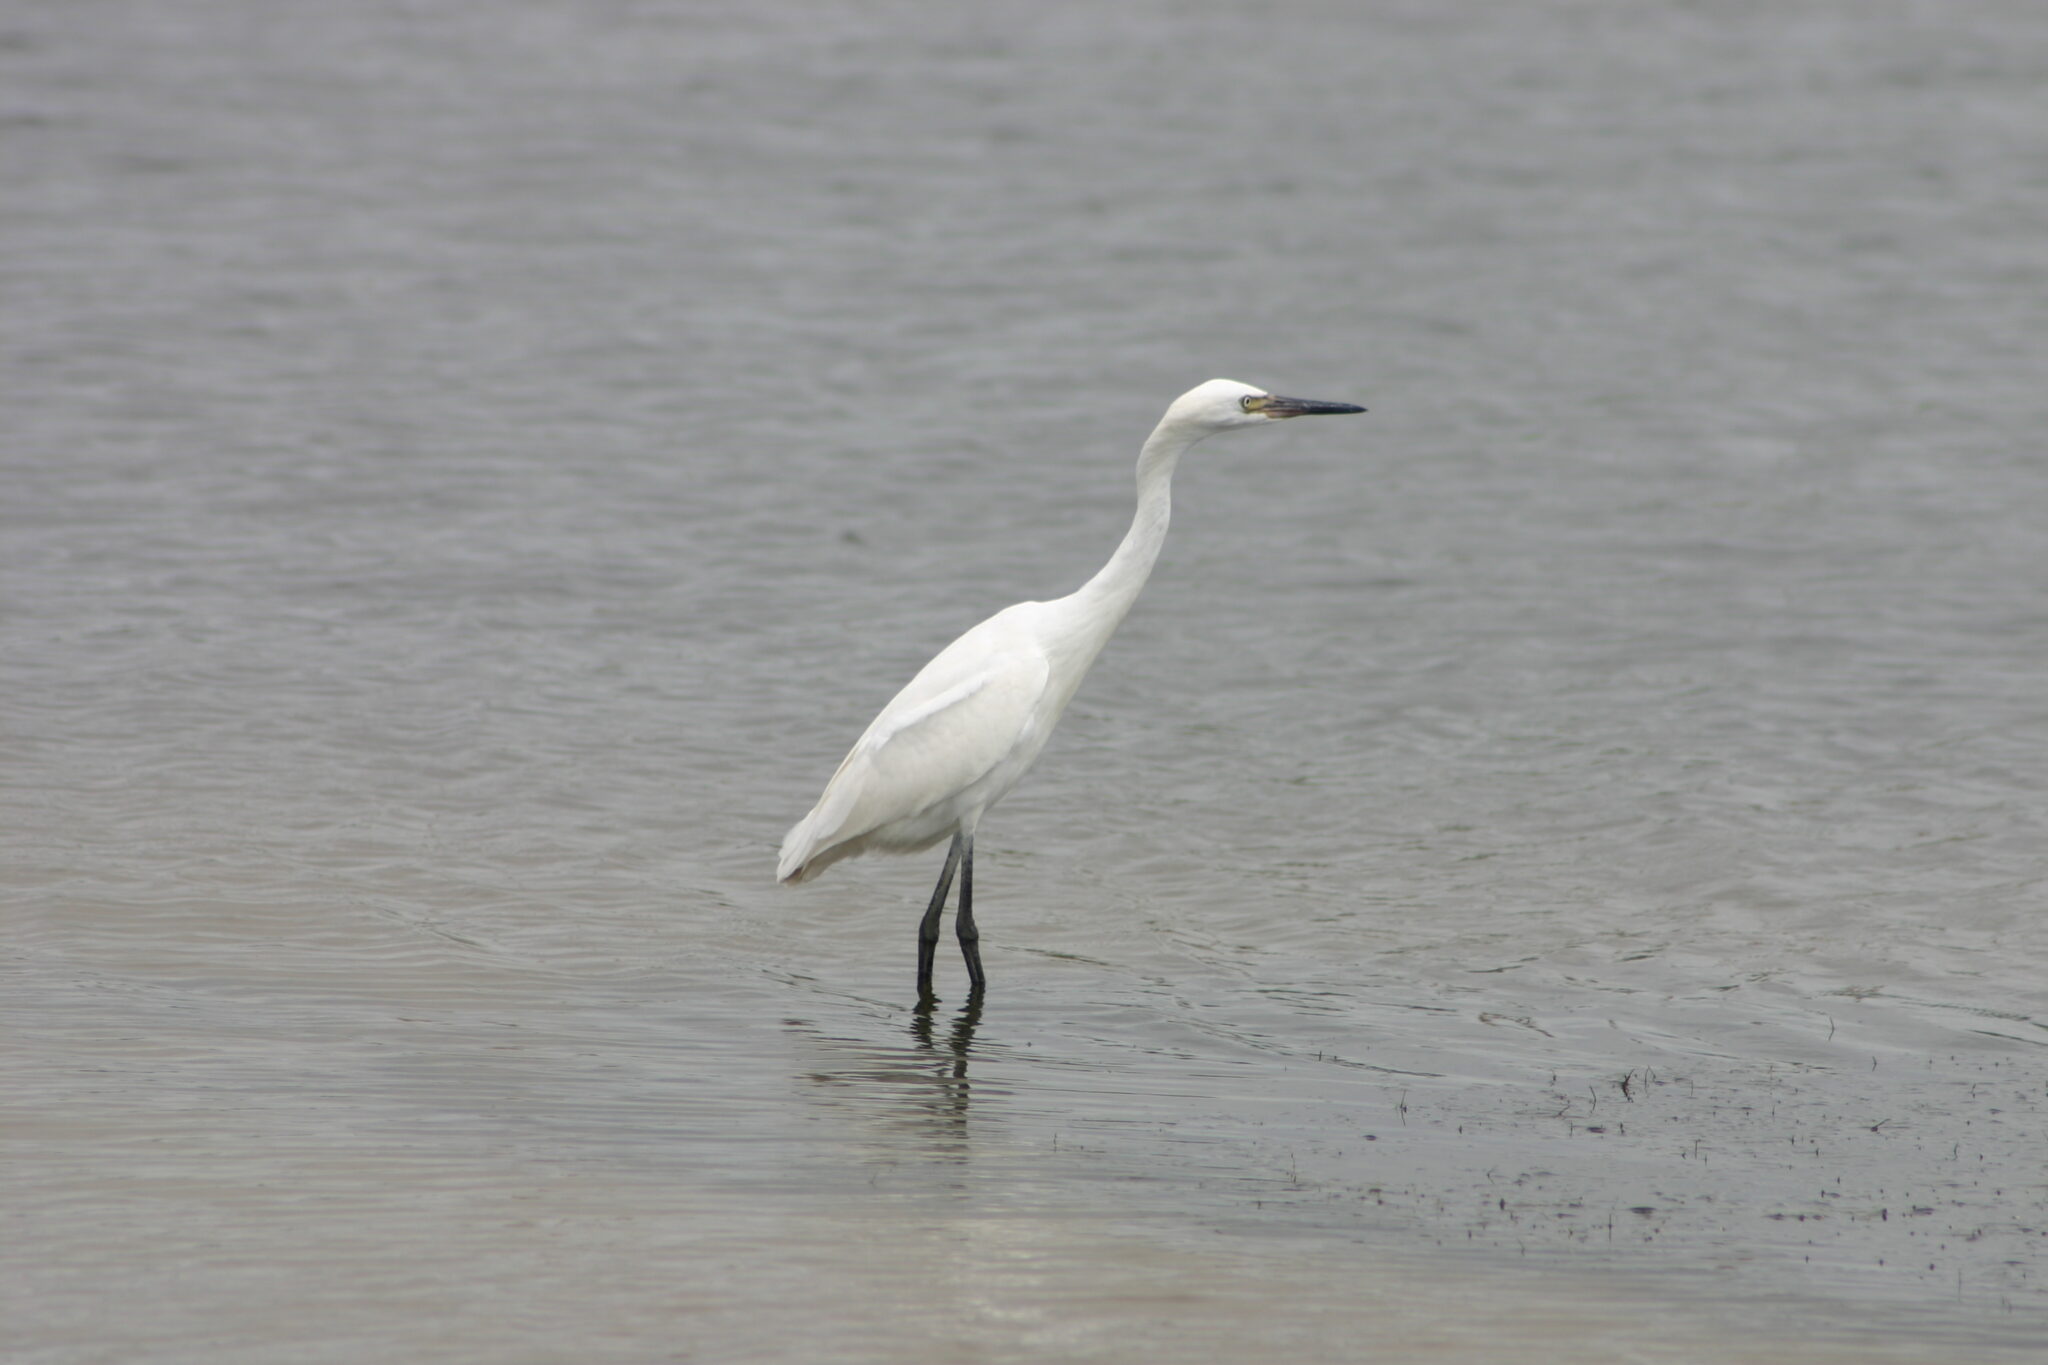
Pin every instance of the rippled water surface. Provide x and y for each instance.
(1552, 867)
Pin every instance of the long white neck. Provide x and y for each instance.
(1107, 597)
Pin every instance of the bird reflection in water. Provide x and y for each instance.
(920, 1090)
(949, 1049)
(959, 1039)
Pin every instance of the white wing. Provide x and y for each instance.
(955, 738)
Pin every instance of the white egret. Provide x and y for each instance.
(970, 724)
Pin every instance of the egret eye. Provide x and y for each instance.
(1245, 402)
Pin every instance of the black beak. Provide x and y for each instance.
(1276, 406)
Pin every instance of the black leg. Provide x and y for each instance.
(963, 924)
(928, 931)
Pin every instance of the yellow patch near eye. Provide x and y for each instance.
(1252, 402)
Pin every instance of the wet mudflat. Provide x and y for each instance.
(1551, 867)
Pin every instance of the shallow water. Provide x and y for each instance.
(1550, 866)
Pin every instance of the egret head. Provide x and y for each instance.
(1225, 404)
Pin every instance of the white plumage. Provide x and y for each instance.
(944, 750)
(971, 723)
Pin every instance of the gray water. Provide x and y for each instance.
(1551, 870)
